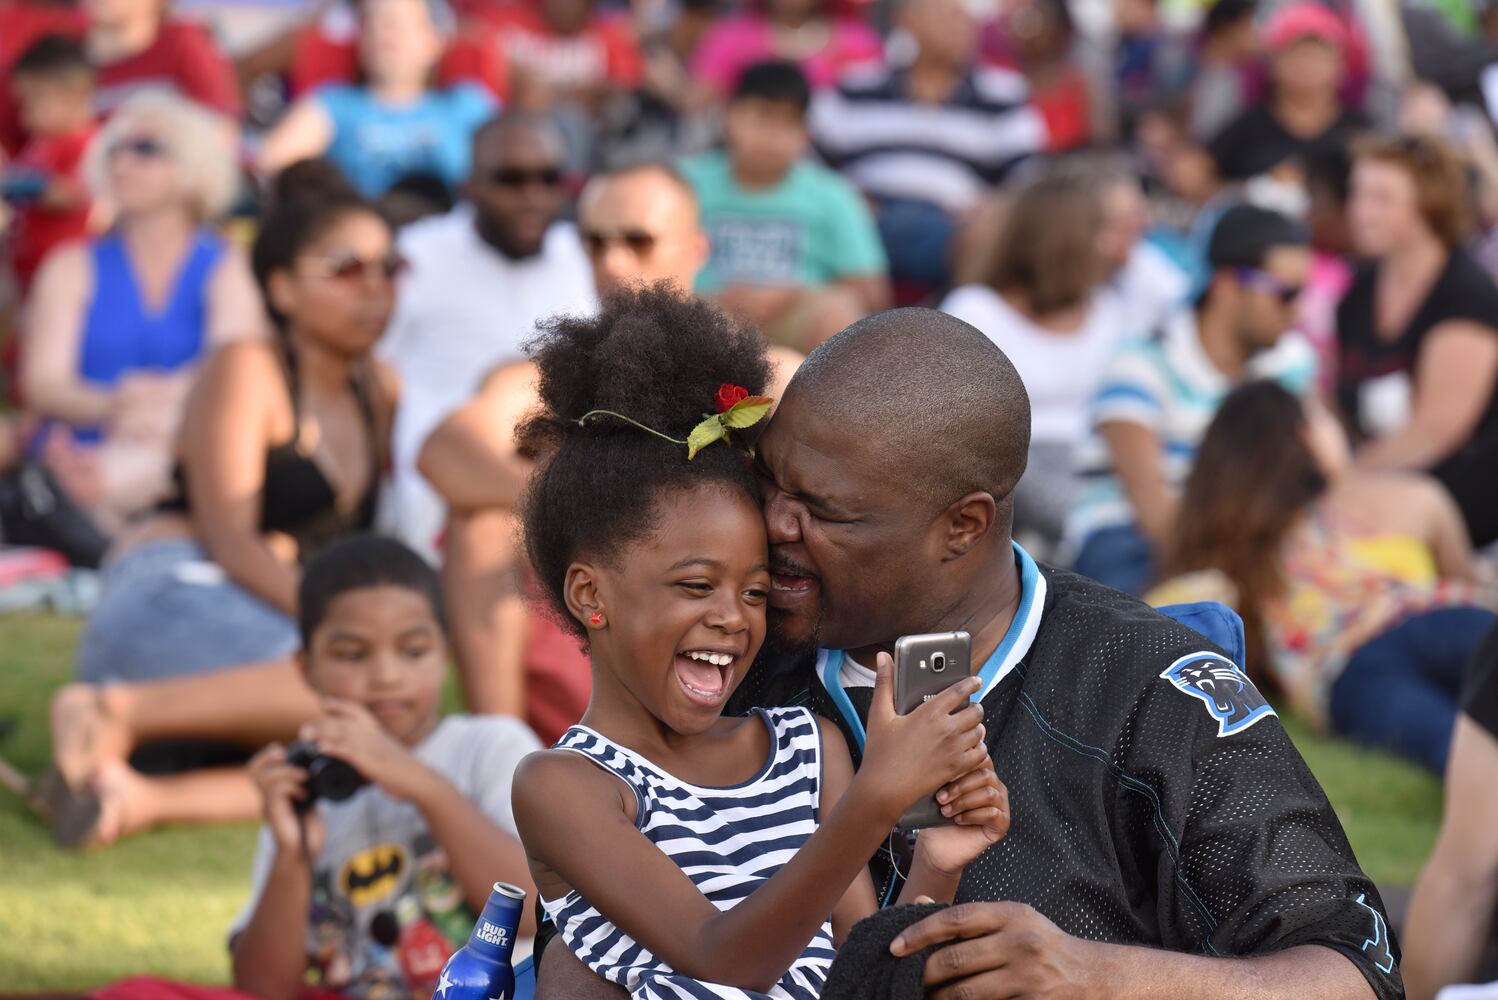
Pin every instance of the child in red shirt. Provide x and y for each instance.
(53, 86)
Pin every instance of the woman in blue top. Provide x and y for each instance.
(393, 125)
(117, 323)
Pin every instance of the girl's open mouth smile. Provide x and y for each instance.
(706, 675)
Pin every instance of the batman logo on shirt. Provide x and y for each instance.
(1229, 696)
(373, 874)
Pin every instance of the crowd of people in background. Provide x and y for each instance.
(266, 288)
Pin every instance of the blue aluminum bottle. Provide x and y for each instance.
(481, 969)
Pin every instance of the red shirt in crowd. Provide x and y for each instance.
(183, 58)
(604, 53)
(321, 58)
(37, 228)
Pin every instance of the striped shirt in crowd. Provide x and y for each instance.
(1166, 384)
(948, 154)
(728, 841)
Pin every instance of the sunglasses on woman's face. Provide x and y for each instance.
(637, 241)
(142, 146)
(348, 267)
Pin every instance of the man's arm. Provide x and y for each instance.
(1253, 886)
(471, 458)
(1010, 950)
(1135, 450)
(1451, 915)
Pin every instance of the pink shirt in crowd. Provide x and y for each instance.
(735, 43)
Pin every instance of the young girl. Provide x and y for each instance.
(672, 846)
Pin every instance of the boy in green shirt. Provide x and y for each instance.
(794, 246)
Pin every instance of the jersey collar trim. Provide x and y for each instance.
(1012, 649)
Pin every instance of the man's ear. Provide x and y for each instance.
(967, 522)
(581, 591)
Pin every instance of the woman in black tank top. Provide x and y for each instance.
(1417, 333)
(188, 661)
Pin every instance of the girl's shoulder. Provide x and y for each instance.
(558, 781)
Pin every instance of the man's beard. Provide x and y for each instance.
(785, 646)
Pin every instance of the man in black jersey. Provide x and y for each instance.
(1167, 838)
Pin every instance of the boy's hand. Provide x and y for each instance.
(281, 785)
(349, 732)
(978, 803)
(910, 756)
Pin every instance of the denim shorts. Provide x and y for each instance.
(167, 610)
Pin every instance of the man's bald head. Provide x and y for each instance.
(942, 404)
(641, 224)
(491, 138)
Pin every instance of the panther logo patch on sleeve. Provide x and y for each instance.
(1229, 696)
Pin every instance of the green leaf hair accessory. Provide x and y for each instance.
(736, 410)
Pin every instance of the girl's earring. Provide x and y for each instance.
(596, 620)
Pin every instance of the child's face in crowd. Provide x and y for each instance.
(765, 138)
(383, 648)
(699, 585)
(338, 290)
(54, 106)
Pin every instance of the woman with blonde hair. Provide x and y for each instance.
(116, 325)
(1037, 299)
(187, 665)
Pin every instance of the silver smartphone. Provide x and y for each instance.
(926, 665)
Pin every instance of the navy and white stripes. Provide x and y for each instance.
(727, 840)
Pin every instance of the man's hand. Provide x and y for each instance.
(978, 803)
(349, 732)
(1000, 950)
(280, 785)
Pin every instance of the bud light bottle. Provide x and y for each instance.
(481, 969)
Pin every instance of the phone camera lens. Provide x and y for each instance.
(938, 663)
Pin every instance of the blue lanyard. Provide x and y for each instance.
(832, 665)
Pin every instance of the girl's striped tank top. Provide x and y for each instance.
(727, 840)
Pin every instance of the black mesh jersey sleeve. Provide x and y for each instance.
(1251, 857)
(1157, 801)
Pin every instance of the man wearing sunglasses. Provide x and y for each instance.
(481, 278)
(640, 224)
(1162, 391)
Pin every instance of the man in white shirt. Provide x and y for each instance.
(481, 278)
(640, 224)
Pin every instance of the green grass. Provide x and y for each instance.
(161, 903)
